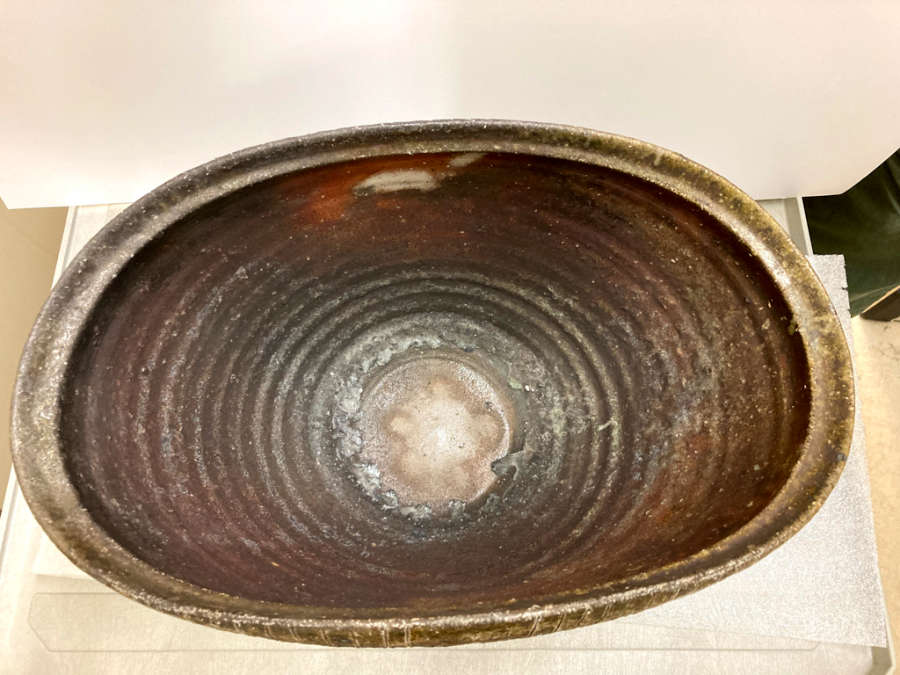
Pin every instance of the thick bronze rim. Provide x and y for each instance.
(57, 505)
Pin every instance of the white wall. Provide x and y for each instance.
(101, 101)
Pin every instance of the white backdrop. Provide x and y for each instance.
(101, 101)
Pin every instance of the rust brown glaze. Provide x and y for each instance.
(226, 408)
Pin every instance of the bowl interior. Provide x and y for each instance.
(434, 381)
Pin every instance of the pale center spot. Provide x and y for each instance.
(433, 426)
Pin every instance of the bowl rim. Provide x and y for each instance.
(36, 409)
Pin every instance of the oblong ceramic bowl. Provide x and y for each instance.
(431, 383)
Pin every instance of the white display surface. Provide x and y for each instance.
(102, 101)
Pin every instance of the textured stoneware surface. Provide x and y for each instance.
(429, 384)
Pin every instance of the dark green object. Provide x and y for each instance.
(863, 225)
(886, 308)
